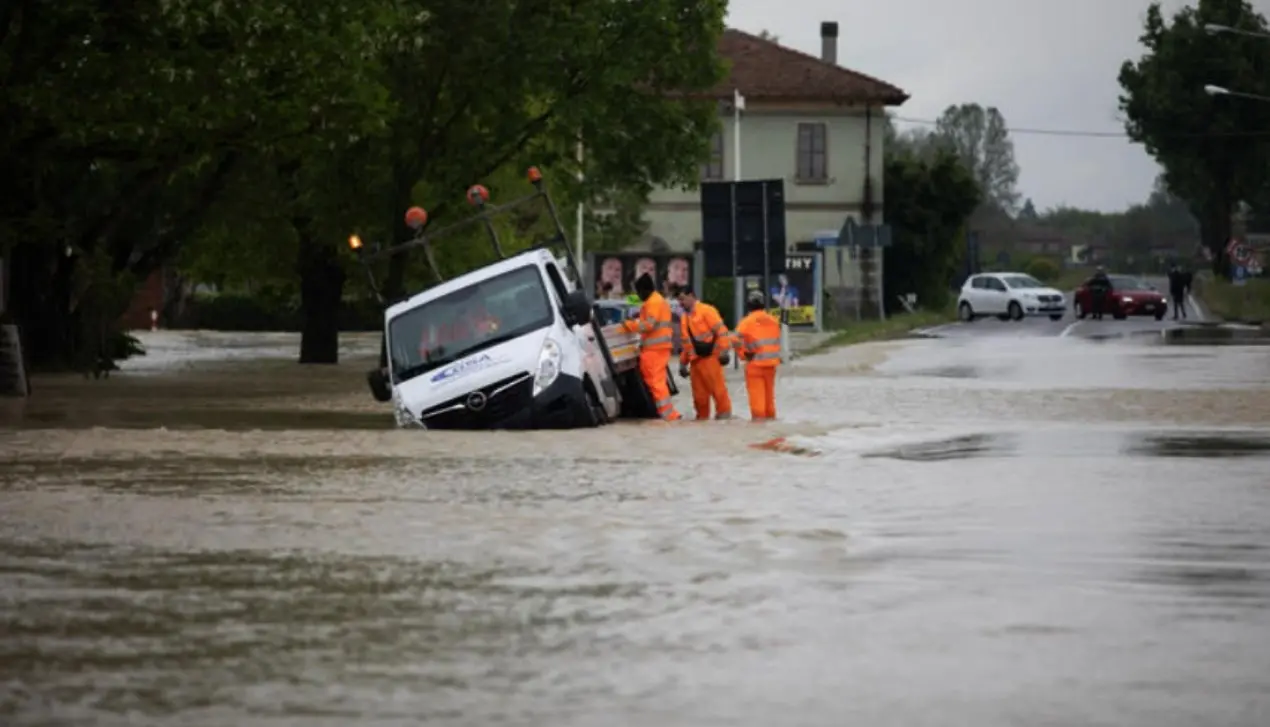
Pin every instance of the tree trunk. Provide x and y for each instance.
(393, 285)
(40, 280)
(321, 290)
(1215, 228)
(394, 282)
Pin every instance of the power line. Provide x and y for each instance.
(1102, 134)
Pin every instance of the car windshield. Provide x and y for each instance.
(1124, 282)
(1022, 281)
(461, 323)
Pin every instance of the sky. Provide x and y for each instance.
(1043, 64)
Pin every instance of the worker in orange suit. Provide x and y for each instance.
(656, 341)
(758, 339)
(706, 350)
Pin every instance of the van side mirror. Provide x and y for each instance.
(577, 308)
(379, 386)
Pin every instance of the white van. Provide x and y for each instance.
(540, 364)
(510, 345)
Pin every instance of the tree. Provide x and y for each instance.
(1206, 143)
(1028, 213)
(980, 137)
(483, 87)
(123, 123)
(928, 202)
(921, 143)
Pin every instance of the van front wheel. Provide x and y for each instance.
(595, 414)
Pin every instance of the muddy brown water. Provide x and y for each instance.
(992, 532)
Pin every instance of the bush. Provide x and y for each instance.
(1044, 270)
(236, 312)
(1248, 303)
(720, 293)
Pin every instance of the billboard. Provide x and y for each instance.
(795, 293)
(613, 274)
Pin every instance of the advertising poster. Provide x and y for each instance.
(793, 292)
(615, 272)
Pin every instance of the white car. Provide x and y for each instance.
(1009, 296)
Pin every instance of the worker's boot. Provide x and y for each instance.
(723, 417)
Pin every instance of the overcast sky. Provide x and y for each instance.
(1044, 64)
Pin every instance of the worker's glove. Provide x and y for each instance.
(725, 358)
(683, 371)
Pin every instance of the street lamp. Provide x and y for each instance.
(1212, 90)
(1214, 29)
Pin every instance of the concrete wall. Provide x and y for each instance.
(769, 143)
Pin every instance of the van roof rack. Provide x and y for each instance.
(477, 196)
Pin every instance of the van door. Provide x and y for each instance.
(594, 363)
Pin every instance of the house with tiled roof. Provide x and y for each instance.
(806, 120)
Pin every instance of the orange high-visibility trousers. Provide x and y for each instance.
(760, 385)
(652, 368)
(707, 384)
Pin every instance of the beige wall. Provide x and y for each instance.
(769, 139)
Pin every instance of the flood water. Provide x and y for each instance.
(978, 532)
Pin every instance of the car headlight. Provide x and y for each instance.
(405, 419)
(548, 366)
(1126, 299)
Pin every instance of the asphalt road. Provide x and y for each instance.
(1069, 325)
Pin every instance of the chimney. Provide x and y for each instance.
(829, 43)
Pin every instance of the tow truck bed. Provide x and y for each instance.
(623, 347)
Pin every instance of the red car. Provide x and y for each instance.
(1129, 296)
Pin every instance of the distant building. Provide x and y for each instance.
(149, 297)
(805, 120)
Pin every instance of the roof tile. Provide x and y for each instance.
(764, 69)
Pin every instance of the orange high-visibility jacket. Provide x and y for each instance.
(758, 338)
(705, 325)
(653, 324)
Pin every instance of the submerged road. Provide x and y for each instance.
(975, 530)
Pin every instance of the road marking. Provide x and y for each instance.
(1194, 306)
(935, 331)
(1068, 330)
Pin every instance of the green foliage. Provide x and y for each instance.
(721, 293)
(1162, 222)
(122, 123)
(928, 202)
(478, 93)
(1248, 303)
(508, 85)
(1046, 271)
(620, 224)
(980, 138)
(247, 140)
(1203, 140)
(121, 345)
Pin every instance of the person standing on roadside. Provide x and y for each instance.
(705, 352)
(1099, 290)
(1179, 287)
(758, 339)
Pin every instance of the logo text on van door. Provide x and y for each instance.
(466, 366)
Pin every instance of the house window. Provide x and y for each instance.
(813, 153)
(712, 171)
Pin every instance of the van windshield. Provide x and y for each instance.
(461, 323)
